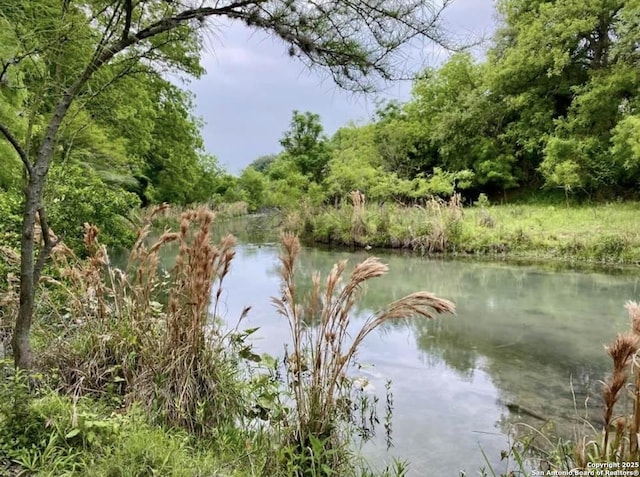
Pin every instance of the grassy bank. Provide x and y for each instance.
(603, 233)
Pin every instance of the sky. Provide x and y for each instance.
(252, 86)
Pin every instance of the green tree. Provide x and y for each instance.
(626, 146)
(462, 122)
(255, 185)
(354, 163)
(402, 142)
(66, 53)
(567, 70)
(175, 161)
(263, 163)
(306, 145)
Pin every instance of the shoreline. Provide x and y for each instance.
(606, 236)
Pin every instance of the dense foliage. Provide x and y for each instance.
(131, 139)
(553, 105)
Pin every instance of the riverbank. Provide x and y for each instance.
(136, 373)
(602, 233)
(114, 353)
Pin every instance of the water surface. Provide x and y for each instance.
(525, 342)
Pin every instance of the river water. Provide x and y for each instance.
(526, 345)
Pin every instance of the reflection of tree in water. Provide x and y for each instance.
(249, 229)
(535, 332)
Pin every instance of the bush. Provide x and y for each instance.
(75, 195)
(44, 433)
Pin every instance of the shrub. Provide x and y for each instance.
(75, 195)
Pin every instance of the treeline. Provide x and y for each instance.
(554, 105)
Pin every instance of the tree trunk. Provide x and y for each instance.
(23, 357)
(30, 268)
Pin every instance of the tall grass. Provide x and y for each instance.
(145, 334)
(605, 233)
(619, 438)
(326, 342)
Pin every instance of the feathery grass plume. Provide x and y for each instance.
(323, 347)
(444, 222)
(622, 352)
(146, 335)
(107, 312)
(189, 376)
(633, 309)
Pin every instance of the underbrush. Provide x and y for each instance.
(46, 433)
(603, 233)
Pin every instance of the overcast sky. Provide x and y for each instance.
(251, 88)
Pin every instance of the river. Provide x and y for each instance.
(525, 345)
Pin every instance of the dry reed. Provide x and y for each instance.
(444, 217)
(358, 225)
(146, 334)
(321, 355)
(621, 432)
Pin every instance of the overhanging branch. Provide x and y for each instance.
(16, 145)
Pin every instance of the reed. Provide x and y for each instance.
(188, 374)
(326, 342)
(358, 225)
(618, 440)
(144, 333)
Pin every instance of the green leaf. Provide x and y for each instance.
(72, 433)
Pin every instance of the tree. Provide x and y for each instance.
(253, 183)
(567, 73)
(68, 52)
(355, 162)
(262, 163)
(306, 145)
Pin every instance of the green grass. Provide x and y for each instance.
(49, 434)
(607, 233)
(603, 233)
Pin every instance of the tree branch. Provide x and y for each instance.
(49, 243)
(5, 67)
(16, 145)
(127, 19)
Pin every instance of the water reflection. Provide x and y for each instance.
(521, 336)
